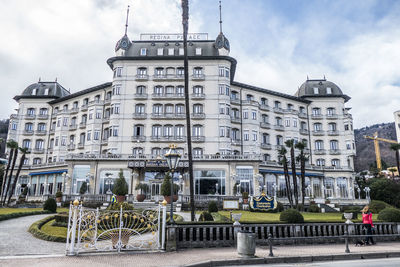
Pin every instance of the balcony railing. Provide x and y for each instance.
(140, 138)
(235, 101)
(81, 145)
(236, 142)
(317, 116)
(265, 125)
(52, 131)
(334, 151)
(41, 132)
(82, 125)
(168, 139)
(235, 120)
(198, 96)
(250, 102)
(159, 77)
(107, 101)
(279, 127)
(197, 116)
(290, 111)
(73, 127)
(168, 116)
(167, 96)
(333, 133)
(302, 115)
(198, 138)
(28, 132)
(30, 116)
(14, 116)
(266, 146)
(84, 107)
(318, 133)
(265, 107)
(71, 147)
(104, 141)
(278, 110)
(303, 131)
(43, 116)
(139, 116)
(332, 116)
(141, 96)
(38, 150)
(198, 77)
(141, 77)
(320, 152)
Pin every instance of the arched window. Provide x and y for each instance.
(180, 90)
(157, 109)
(198, 90)
(320, 162)
(277, 104)
(137, 151)
(197, 72)
(267, 157)
(279, 140)
(332, 126)
(198, 109)
(158, 90)
(169, 109)
(335, 163)
(316, 111)
(179, 131)
(169, 90)
(168, 130)
(141, 72)
(334, 145)
(41, 127)
(39, 144)
(29, 127)
(140, 109)
(37, 161)
(156, 151)
(249, 97)
(30, 112)
(234, 95)
(197, 130)
(330, 111)
(159, 72)
(265, 138)
(156, 131)
(138, 130)
(180, 109)
(26, 143)
(319, 145)
(317, 127)
(43, 111)
(264, 101)
(197, 151)
(264, 118)
(278, 121)
(141, 90)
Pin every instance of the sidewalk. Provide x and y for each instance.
(212, 256)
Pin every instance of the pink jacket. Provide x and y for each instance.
(367, 218)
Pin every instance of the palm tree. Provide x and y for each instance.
(290, 144)
(396, 148)
(13, 146)
(302, 159)
(24, 151)
(282, 152)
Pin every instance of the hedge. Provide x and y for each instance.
(34, 229)
(8, 216)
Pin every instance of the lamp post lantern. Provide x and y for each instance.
(173, 158)
(109, 182)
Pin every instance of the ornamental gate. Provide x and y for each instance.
(92, 230)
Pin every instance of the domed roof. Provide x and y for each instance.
(38, 90)
(124, 43)
(320, 88)
(222, 42)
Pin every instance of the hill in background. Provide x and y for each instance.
(365, 147)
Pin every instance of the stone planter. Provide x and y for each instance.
(236, 217)
(245, 201)
(120, 199)
(140, 197)
(348, 216)
(168, 198)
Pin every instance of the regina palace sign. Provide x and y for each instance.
(172, 36)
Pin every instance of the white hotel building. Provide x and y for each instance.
(129, 122)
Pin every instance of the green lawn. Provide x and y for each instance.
(17, 210)
(54, 230)
(261, 217)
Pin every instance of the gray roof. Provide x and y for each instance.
(82, 92)
(307, 89)
(55, 90)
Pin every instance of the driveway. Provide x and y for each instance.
(15, 239)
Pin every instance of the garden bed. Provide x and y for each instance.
(10, 213)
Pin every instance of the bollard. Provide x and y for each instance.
(246, 244)
(271, 254)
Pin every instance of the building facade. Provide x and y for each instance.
(128, 123)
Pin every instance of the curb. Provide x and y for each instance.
(297, 259)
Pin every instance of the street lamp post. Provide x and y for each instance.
(216, 189)
(172, 160)
(109, 182)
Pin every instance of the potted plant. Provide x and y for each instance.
(143, 188)
(245, 196)
(59, 196)
(120, 187)
(83, 188)
(166, 189)
(327, 201)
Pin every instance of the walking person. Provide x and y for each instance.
(368, 225)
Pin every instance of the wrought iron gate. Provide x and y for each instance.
(91, 230)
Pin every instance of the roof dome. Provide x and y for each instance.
(124, 43)
(222, 42)
(320, 88)
(44, 90)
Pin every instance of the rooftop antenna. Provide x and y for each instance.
(220, 17)
(39, 79)
(126, 24)
(324, 77)
(56, 79)
(307, 78)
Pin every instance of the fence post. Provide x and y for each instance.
(120, 230)
(271, 253)
(346, 239)
(159, 227)
(164, 222)
(72, 234)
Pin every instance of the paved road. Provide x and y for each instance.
(15, 240)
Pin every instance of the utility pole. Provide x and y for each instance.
(185, 23)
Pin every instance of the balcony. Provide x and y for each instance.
(73, 127)
(279, 127)
(302, 115)
(38, 150)
(265, 107)
(141, 96)
(159, 77)
(198, 77)
(84, 107)
(54, 115)
(279, 147)
(104, 141)
(52, 131)
(30, 116)
(106, 119)
(14, 116)
(266, 146)
(141, 77)
(28, 132)
(74, 110)
(334, 152)
(168, 139)
(198, 96)
(303, 131)
(139, 116)
(176, 116)
(198, 139)
(317, 116)
(265, 125)
(43, 116)
(318, 133)
(278, 110)
(290, 111)
(168, 96)
(333, 133)
(81, 145)
(235, 120)
(138, 138)
(332, 116)
(319, 152)
(107, 101)
(235, 101)
(198, 116)
(71, 147)
(250, 103)
(236, 142)
(82, 125)
(41, 132)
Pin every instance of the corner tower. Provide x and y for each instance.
(221, 42)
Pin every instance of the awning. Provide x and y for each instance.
(290, 173)
(48, 172)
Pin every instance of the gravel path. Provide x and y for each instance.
(15, 239)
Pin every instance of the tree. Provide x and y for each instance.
(302, 159)
(290, 144)
(385, 190)
(166, 186)
(14, 146)
(395, 148)
(120, 187)
(3, 188)
(83, 188)
(282, 153)
(24, 151)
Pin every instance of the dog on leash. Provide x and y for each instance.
(360, 243)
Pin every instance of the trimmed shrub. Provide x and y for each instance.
(35, 230)
(279, 207)
(50, 205)
(118, 205)
(166, 186)
(83, 188)
(376, 206)
(61, 217)
(59, 194)
(205, 216)
(212, 206)
(291, 216)
(120, 187)
(314, 208)
(389, 215)
(8, 216)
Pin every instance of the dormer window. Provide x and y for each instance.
(46, 91)
(181, 52)
(328, 90)
(160, 51)
(316, 90)
(170, 51)
(198, 51)
(143, 51)
(34, 91)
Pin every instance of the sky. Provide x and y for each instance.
(277, 44)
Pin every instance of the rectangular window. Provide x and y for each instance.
(295, 123)
(221, 89)
(115, 131)
(96, 135)
(56, 142)
(118, 72)
(160, 51)
(246, 135)
(13, 126)
(328, 90)
(221, 108)
(65, 121)
(245, 114)
(89, 135)
(254, 115)
(143, 51)
(346, 127)
(222, 131)
(228, 132)
(181, 51)
(170, 51)
(91, 114)
(98, 113)
(287, 122)
(316, 90)
(116, 89)
(255, 136)
(58, 122)
(221, 71)
(198, 51)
